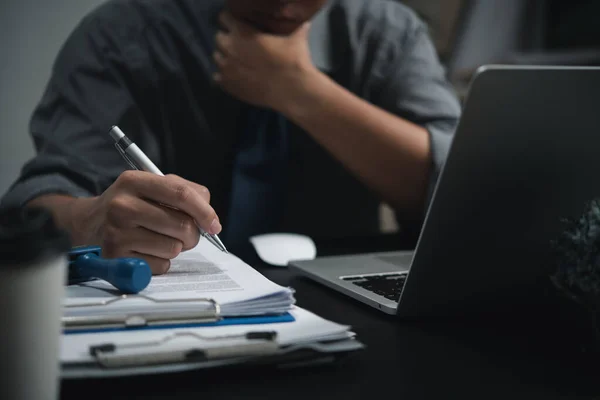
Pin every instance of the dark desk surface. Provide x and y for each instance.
(529, 356)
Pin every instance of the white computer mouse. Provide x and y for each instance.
(281, 248)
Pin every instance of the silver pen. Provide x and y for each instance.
(138, 160)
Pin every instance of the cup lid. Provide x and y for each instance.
(28, 234)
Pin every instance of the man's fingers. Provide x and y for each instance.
(127, 211)
(235, 25)
(223, 44)
(174, 192)
(154, 244)
(143, 241)
(227, 21)
(202, 190)
(220, 60)
(304, 30)
(166, 221)
(158, 266)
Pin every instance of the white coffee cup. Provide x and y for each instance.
(33, 268)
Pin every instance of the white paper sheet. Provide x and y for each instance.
(202, 273)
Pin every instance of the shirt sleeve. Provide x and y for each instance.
(416, 89)
(88, 93)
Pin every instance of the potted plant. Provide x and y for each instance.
(577, 269)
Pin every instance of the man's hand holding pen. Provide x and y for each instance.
(147, 216)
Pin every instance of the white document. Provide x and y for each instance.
(307, 328)
(196, 276)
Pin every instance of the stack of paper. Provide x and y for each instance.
(197, 278)
(154, 351)
(211, 309)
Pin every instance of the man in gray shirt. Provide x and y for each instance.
(298, 116)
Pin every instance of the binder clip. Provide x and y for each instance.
(129, 275)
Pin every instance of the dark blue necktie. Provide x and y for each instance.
(259, 179)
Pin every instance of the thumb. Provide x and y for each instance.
(303, 30)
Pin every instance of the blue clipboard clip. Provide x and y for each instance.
(128, 275)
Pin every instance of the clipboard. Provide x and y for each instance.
(256, 343)
(262, 351)
(159, 320)
(114, 354)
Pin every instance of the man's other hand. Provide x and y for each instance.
(260, 68)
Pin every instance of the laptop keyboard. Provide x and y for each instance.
(386, 285)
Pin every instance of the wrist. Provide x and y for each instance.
(82, 223)
(71, 214)
(303, 90)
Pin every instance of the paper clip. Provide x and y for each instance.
(141, 318)
(259, 344)
(126, 157)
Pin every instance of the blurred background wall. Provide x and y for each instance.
(31, 33)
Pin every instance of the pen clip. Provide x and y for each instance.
(126, 157)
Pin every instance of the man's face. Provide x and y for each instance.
(281, 17)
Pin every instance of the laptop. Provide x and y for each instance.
(526, 153)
